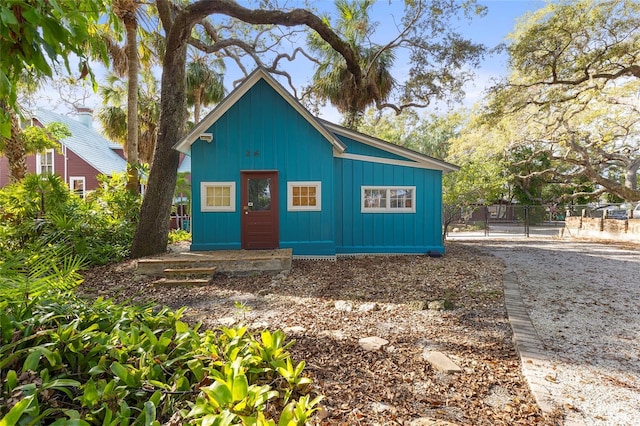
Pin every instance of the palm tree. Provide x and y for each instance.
(204, 85)
(332, 80)
(13, 147)
(126, 10)
(126, 61)
(113, 116)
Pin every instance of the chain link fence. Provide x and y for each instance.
(529, 220)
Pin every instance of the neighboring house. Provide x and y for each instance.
(266, 173)
(81, 157)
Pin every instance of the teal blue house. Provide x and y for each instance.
(267, 174)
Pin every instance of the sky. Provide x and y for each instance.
(490, 30)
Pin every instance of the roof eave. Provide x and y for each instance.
(434, 163)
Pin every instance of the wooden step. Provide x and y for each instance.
(188, 271)
(166, 282)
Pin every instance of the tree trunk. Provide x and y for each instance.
(133, 180)
(196, 105)
(631, 174)
(14, 148)
(153, 228)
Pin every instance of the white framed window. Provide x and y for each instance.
(218, 196)
(77, 184)
(304, 196)
(44, 162)
(388, 199)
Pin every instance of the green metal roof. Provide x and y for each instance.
(87, 144)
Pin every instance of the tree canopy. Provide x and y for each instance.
(36, 35)
(573, 90)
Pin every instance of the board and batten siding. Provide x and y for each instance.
(262, 131)
(358, 232)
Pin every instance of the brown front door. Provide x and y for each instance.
(259, 210)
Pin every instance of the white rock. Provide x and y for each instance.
(343, 306)
(259, 325)
(373, 343)
(334, 334)
(436, 305)
(227, 321)
(368, 307)
(440, 362)
(381, 407)
(296, 329)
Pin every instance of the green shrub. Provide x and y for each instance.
(41, 208)
(67, 361)
(177, 235)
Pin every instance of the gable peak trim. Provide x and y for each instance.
(184, 144)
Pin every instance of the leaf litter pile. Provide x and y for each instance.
(327, 307)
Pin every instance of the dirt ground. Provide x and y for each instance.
(327, 307)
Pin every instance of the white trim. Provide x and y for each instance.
(84, 184)
(387, 208)
(39, 161)
(428, 162)
(232, 197)
(369, 159)
(316, 184)
(184, 144)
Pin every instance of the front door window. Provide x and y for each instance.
(259, 194)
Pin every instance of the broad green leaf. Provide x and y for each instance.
(16, 412)
(123, 374)
(197, 368)
(219, 394)
(59, 383)
(90, 397)
(149, 413)
(240, 387)
(7, 17)
(12, 380)
(32, 361)
(181, 327)
(287, 416)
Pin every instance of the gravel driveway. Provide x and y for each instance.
(583, 299)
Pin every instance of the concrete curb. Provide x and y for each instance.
(535, 362)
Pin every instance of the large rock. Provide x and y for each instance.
(368, 307)
(372, 344)
(440, 361)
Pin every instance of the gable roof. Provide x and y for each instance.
(184, 144)
(87, 144)
(422, 159)
(327, 129)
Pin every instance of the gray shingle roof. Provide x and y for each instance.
(88, 144)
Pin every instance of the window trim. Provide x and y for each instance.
(39, 161)
(315, 183)
(232, 197)
(84, 185)
(388, 208)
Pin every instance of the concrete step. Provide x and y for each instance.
(189, 272)
(231, 262)
(171, 282)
